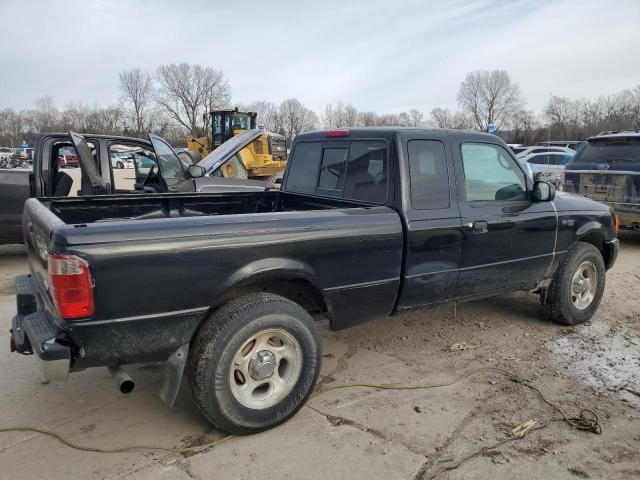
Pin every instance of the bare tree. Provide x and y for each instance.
(523, 127)
(444, 118)
(340, 116)
(268, 115)
(296, 118)
(412, 118)
(136, 88)
(188, 92)
(490, 97)
(46, 114)
(11, 127)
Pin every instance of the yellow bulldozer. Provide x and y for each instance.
(262, 158)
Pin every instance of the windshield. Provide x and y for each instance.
(241, 121)
(624, 150)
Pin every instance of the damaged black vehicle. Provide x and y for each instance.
(222, 286)
(154, 168)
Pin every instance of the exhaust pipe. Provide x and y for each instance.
(122, 379)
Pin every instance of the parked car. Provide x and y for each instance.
(67, 158)
(550, 165)
(572, 144)
(516, 147)
(47, 177)
(538, 149)
(221, 286)
(121, 160)
(6, 153)
(607, 169)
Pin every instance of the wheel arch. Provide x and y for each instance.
(594, 233)
(290, 278)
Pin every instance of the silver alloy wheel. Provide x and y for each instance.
(584, 285)
(265, 369)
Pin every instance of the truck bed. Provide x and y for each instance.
(167, 259)
(89, 210)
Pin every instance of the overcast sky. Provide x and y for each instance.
(378, 55)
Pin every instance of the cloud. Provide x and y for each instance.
(381, 56)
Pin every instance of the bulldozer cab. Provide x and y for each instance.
(227, 123)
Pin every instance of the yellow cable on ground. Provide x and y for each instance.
(587, 419)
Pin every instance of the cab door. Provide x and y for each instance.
(508, 240)
(172, 170)
(433, 225)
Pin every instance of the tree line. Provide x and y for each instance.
(173, 102)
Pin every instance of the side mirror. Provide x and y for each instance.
(543, 191)
(195, 171)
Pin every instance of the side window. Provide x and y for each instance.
(130, 164)
(556, 159)
(539, 159)
(428, 174)
(333, 169)
(303, 172)
(491, 174)
(367, 171)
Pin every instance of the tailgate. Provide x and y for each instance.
(38, 224)
(610, 187)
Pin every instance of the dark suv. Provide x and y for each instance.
(607, 169)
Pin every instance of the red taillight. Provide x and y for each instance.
(71, 286)
(341, 132)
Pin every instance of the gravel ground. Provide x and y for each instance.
(364, 433)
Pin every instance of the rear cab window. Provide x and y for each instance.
(429, 178)
(350, 169)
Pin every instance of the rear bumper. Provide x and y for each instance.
(612, 247)
(629, 214)
(34, 331)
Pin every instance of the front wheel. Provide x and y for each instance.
(576, 291)
(254, 363)
(234, 168)
(119, 165)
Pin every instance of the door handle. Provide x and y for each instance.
(480, 227)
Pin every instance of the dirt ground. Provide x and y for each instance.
(367, 433)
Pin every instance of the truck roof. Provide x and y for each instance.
(623, 134)
(93, 135)
(364, 132)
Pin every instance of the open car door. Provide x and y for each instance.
(91, 183)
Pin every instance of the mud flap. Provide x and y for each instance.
(174, 368)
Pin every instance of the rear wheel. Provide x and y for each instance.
(119, 165)
(234, 168)
(254, 362)
(576, 291)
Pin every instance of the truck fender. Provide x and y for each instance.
(271, 268)
(279, 269)
(591, 228)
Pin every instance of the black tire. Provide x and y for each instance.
(222, 337)
(119, 165)
(559, 296)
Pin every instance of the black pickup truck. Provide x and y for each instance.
(368, 222)
(106, 165)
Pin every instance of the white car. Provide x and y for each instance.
(121, 160)
(525, 151)
(549, 164)
(6, 153)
